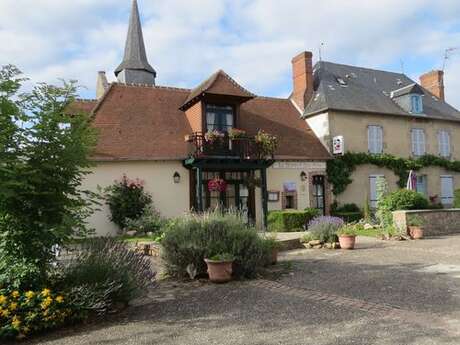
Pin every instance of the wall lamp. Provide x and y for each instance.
(176, 177)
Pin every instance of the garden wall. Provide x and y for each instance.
(437, 222)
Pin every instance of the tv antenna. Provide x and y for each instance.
(447, 54)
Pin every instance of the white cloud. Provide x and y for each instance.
(253, 40)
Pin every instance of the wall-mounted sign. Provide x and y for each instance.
(290, 186)
(273, 196)
(338, 145)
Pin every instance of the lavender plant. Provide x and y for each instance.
(324, 228)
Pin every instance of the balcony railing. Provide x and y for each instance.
(245, 148)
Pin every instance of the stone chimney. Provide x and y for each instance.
(302, 77)
(433, 81)
(101, 85)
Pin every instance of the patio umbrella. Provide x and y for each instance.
(411, 181)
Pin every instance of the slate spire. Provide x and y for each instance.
(135, 67)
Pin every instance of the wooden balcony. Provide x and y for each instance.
(242, 148)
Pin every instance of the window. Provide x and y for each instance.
(447, 190)
(416, 104)
(219, 117)
(421, 184)
(418, 142)
(444, 143)
(375, 139)
(373, 195)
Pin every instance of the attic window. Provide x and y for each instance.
(416, 104)
(341, 82)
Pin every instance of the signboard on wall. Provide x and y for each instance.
(338, 145)
(290, 186)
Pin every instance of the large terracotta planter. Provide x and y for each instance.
(416, 232)
(219, 271)
(347, 241)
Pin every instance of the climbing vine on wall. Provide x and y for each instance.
(339, 170)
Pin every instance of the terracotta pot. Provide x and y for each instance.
(347, 241)
(274, 256)
(219, 271)
(415, 232)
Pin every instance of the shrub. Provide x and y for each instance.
(290, 220)
(19, 273)
(349, 217)
(190, 239)
(348, 208)
(103, 274)
(26, 312)
(149, 221)
(127, 200)
(324, 228)
(402, 199)
(457, 198)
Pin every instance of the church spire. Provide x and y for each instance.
(135, 67)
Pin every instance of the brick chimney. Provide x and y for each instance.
(433, 81)
(302, 77)
(101, 85)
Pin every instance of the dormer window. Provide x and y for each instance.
(416, 104)
(219, 117)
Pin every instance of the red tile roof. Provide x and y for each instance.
(145, 123)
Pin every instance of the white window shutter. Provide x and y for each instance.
(379, 139)
(414, 141)
(422, 142)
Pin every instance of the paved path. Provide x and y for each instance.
(383, 293)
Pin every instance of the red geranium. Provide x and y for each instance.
(217, 185)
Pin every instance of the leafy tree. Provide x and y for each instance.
(43, 160)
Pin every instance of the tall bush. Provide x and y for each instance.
(127, 199)
(191, 238)
(44, 155)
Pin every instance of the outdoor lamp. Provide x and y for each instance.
(176, 177)
(303, 176)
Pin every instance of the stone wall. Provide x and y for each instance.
(436, 222)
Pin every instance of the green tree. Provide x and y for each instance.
(44, 156)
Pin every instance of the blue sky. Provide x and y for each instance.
(252, 40)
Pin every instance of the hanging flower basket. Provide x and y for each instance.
(217, 185)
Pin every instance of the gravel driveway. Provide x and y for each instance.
(383, 292)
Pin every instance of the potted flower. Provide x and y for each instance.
(267, 143)
(347, 236)
(415, 227)
(217, 185)
(235, 133)
(212, 136)
(220, 267)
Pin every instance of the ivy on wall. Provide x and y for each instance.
(339, 170)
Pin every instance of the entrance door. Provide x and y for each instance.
(318, 194)
(236, 196)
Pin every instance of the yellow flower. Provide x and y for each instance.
(46, 292)
(30, 294)
(16, 323)
(15, 294)
(5, 313)
(46, 303)
(2, 299)
(13, 306)
(25, 330)
(59, 299)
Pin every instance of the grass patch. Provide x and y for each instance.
(368, 232)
